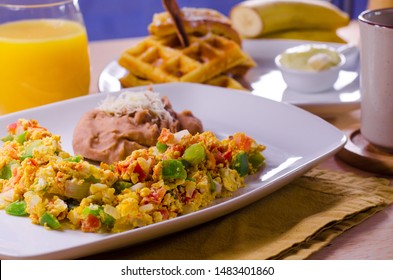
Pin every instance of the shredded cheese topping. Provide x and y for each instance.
(129, 102)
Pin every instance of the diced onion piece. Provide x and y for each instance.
(6, 198)
(190, 189)
(218, 187)
(110, 210)
(180, 134)
(187, 209)
(76, 191)
(138, 186)
(146, 208)
(97, 187)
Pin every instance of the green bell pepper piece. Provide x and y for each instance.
(16, 208)
(49, 220)
(9, 137)
(173, 169)
(194, 154)
(105, 218)
(212, 184)
(21, 138)
(121, 185)
(91, 179)
(6, 172)
(161, 147)
(94, 212)
(241, 164)
(256, 160)
(28, 153)
(74, 159)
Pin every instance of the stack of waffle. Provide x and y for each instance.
(213, 56)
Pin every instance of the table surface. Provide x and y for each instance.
(372, 239)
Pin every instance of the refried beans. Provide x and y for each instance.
(131, 121)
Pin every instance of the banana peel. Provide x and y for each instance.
(256, 18)
(308, 35)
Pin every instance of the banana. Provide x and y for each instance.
(255, 18)
(309, 35)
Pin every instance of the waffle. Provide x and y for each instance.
(196, 21)
(162, 59)
(130, 80)
(226, 82)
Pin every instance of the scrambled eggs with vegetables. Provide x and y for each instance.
(179, 175)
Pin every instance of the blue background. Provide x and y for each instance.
(111, 19)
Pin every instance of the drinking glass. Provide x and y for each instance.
(44, 54)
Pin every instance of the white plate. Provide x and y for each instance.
(266, 80)
(296, 141)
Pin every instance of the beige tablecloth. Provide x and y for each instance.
(291, 223)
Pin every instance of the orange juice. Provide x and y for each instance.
(42, 61)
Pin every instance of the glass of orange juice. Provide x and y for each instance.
(44, 54)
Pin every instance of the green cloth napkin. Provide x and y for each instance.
(291, 223)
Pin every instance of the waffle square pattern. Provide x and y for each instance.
(209, 58)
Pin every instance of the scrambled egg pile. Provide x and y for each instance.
(179, 175)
